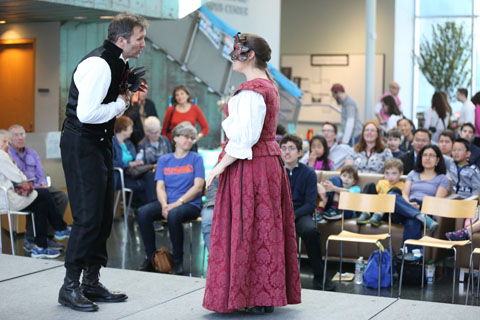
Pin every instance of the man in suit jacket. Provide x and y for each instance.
(421, 138)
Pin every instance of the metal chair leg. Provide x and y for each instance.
(11, 233)
(423, 268)
(341, 262)
(325, 266)
(478, 279)
(401, 273)
(33, 224)
(454, 270)
(299, 253)
(470, 278)
(391, 264)
(191, 250)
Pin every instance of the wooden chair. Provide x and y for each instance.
(446, 208)
(368, 203)
(476, 251)
(122, 192)
(5, 209)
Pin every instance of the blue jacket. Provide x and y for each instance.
(117, 158)
(303, 183)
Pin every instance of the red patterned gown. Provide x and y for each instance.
(252, 259)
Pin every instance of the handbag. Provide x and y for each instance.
(137, 172)
(23, 188)
(162, 260)
(370, 276)
(169, 123)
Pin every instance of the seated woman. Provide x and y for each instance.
(154, 145)
(369, 154)
(37, 201)
(406, 128)
(427, 179)
(180, 178)
(124, 155)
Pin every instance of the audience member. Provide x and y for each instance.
(318, 158)
(428, 179)
(182, 110)
(37, 201)
(467, 131)
(393, 172)
(393, 88)
(141, 108)
(154, 145)
(124, 156)
(467, 113)
(445, 142)
(407, 128)
(390, 108)
(180, 178)
(465, 176)
(421, 138)
(369, 153)
(437, 116)
(351, 123)
(281, 131)
(394, 139)
(303, 181)
(329, 191)
(28, 161)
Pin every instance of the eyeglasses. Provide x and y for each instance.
(328, 131)
(429, 155)
(194, 139)
(289, 148)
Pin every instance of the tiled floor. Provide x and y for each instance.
(126, 252)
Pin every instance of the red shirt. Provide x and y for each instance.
(193, 115)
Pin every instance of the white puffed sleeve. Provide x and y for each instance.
(246, 114)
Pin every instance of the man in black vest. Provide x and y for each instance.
(94, 101)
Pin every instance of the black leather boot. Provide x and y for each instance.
(71, 295)
(95, 291)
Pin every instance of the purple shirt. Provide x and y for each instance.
(319, 165)
(31, 166)
(421, 188)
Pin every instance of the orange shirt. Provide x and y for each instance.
(193, 115)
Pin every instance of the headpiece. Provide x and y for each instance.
(240, 48)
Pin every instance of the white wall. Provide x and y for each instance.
(261, 17)
(336, 27)
(47, 68)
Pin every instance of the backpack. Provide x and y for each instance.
(370, 276)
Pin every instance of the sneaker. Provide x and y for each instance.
(364, 217)
(28, 246)
(459, 235)
(64, 234)
(332, 214)
(54, 245)
(318, 216)
(376, 219)
(45, 253)
(431, 224)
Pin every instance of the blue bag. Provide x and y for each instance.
(370, 276)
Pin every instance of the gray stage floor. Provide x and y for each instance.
(29, 288)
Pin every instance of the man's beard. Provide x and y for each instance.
(339, 100)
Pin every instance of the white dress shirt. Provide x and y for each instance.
(246, 114)
(92, 78)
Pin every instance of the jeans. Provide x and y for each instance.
(153, 211)
(207, 217)
(306, 229)
(330, 195)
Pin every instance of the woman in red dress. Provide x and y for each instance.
(252, 259)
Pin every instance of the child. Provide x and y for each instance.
(393, 171)
(394, 139)
(466, 183)
(329, 191)
(318, 158)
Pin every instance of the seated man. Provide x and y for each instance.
(303, 183)
(29, 163)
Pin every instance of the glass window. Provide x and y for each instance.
(445, 7)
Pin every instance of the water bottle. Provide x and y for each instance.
(139, 155)
(359, 267)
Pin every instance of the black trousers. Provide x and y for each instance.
(88, 166)
(306, 229)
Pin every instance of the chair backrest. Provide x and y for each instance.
(366, 202)
(449, 208)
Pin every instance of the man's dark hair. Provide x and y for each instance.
(123, 24)
(465, 142)
(423, 130)
(449, 134)
(281, 131)
(297, 141)
(440, 168)
(331, 124)
(394, 133)
(463, 91)
(468, 124)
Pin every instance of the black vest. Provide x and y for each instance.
(111, 54)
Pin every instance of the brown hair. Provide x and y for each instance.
(440, 105)
(261, 48)
(393, 163)
(123, 24)
(392, 105)
(122, 123)
(394, 133)
(350, 170)
(362, 145)
(183, 88)
(296, 140)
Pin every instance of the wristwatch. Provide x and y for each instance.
(181, 200)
